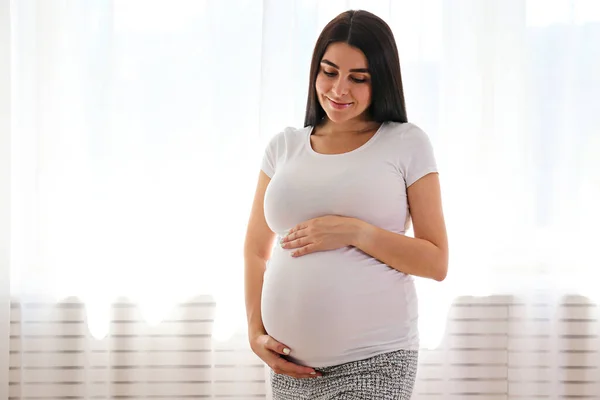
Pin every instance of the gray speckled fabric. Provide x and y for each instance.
(389, 376)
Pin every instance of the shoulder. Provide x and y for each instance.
(279, 148)
(406, 131)
(411, 149)
(288, 136)
(407, 139)
(283, 144)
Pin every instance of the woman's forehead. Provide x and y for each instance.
(345, 56)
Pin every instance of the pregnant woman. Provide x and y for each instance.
(330, 297)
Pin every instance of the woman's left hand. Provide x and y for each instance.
(320, 234)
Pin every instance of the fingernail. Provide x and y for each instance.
(286, 351)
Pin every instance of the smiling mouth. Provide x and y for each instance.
(337, 105)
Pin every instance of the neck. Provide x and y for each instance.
(353, 126)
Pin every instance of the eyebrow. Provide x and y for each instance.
(364, 70)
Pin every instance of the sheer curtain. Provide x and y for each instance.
(136, 132)
(4, 196)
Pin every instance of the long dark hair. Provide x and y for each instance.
(370, 34)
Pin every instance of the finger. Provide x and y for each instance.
(298, 227)
(289, 368)
(277, 347)
(303, 376)
(295, 235)
(293, 375)
(309, 248)
(280, 365)
(294, 244)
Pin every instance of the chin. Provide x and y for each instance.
(339, 118)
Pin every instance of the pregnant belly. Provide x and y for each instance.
(337, 306)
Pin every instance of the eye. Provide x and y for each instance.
(329, 73)
(359, 80)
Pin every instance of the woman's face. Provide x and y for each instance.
(343, 83)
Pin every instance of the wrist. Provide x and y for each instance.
(360, 231)
(256, 331)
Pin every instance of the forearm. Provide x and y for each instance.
(409, 255)
(254, 268)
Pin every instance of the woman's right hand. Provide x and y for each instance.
(270, 351)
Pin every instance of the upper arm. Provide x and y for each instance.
(425, 205)
(259, 237)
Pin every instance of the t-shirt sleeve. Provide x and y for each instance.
(272, 154)
(418, 155)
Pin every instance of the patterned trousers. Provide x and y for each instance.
(388, 376)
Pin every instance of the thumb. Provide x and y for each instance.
(277, 347)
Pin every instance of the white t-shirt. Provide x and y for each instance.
(339, 306)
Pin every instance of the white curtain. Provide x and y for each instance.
(136, 131)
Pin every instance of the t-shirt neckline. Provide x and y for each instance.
(358, 149)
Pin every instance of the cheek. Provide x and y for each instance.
(322, 85)
(363, 94)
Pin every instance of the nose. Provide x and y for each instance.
(340, 87)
